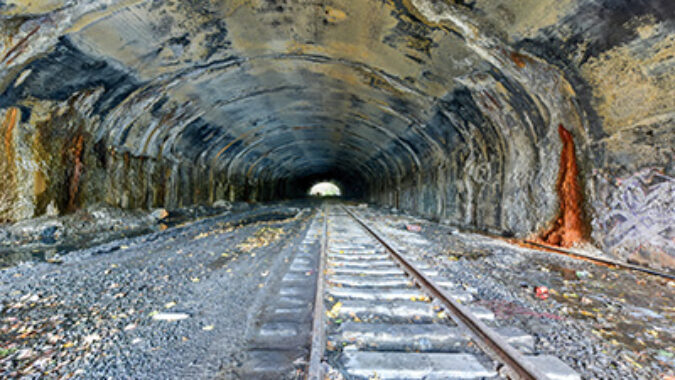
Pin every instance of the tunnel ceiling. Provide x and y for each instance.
(270, 89)
(264, 89)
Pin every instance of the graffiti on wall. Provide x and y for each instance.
(638, 216)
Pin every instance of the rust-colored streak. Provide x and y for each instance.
(518, 59)
(492, 99)
(8, 126)
(19, 46)
(569, 227)
(7, 165)
(78, 167)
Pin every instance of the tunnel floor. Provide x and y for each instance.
(178, 303)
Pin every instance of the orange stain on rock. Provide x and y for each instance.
(78, 167)
(569, 227)
(8, 164)
(518, 59)
(8, 126)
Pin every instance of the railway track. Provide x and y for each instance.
(381, 314)
(352, 306)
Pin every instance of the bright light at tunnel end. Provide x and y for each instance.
(325, 189)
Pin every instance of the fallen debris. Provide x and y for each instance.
(261, 238)
(413, 227)
(170, 317)
(541, 292)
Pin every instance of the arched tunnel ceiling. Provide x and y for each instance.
(267, 89)
(264, 88)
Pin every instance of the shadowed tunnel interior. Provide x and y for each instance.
(457, 111)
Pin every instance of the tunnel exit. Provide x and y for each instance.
(325, 189)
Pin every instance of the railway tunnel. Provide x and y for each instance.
(454, 111)
(546, 121)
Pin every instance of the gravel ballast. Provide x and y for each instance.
(605, 323)
(167, 305)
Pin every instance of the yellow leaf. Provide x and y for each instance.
(586, 313)
(334, 310)
(631, 361)
(169, 305)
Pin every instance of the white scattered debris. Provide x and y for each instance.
(24, 354)
(170, 316)
(159, 214)
(52, 210)
(91, 338)
(30, 298)
(130, 327)
(221, 203)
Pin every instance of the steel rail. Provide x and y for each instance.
(488, 340)
(576, 255)
(316, 354)
(600, 260)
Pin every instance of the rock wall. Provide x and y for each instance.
(53, 158)
(612, 62)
